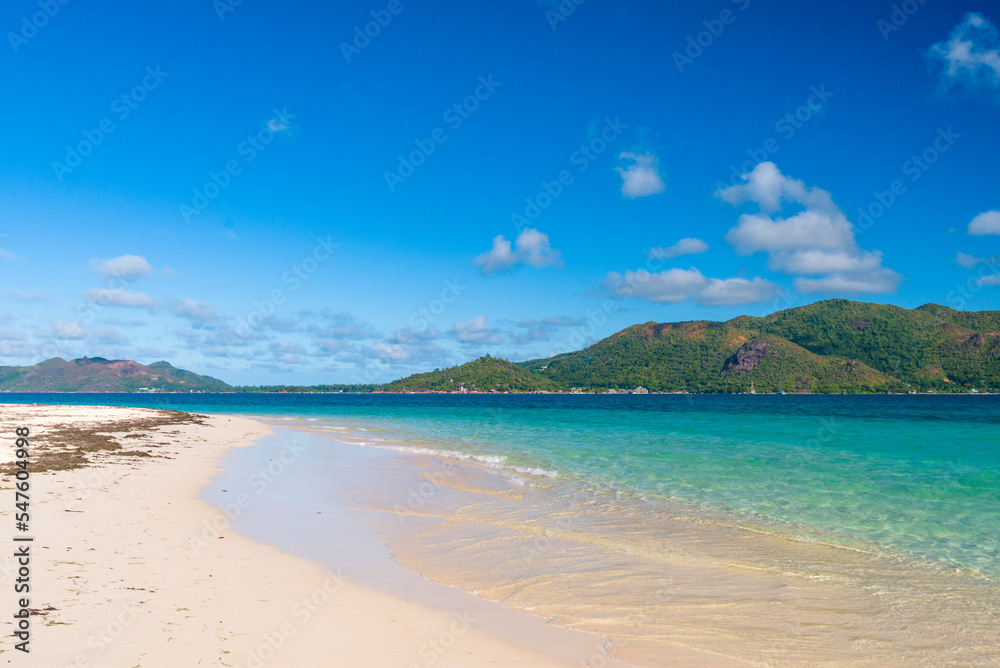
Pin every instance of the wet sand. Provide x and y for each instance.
(667, 587)
(131, 568)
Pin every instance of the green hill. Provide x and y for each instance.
(660, 357)
(831, 346)
(775, 364)
(980, 321)
(706, 356)
(96, 374)
(930, 347)
(486, 374)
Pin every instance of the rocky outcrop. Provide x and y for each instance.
(748, 356)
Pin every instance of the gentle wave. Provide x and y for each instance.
(490, 461)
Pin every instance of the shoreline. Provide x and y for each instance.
(132, 568)
(928, 393)
(675, 583)
(168, 575)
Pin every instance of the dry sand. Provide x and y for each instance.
(122, 573)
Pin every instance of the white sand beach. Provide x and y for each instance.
(129, 568)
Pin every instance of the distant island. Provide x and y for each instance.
(96, 374)
(835, 346)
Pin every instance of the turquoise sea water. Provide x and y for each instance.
(912, 476)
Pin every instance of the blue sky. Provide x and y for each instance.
(271, 195)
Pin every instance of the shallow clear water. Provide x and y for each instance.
(765, 530)
(918, 476)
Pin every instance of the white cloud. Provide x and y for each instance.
(666, 287)
(531, 248)
(501, 256)
(737, 292)
(476, 330)
(33, 296)
(768, 187)
(818, 240)
(16, 349)
(7, 255)
(285, 348)
(333, 345)
(642, 177)
(412, 336)
(408, 353)
(971, 54)
(193, 310)
(396, 352)
(674, 286)
(109, 336)
(990, 279)
(966, 260)
(404, 348)
(542, 330)
(11, 334)
(686, 246)
(342, 325)
(756, 233)
(987, 222)
(816, 261)
(126, 267)
(119, 297)
(971, 261)
(410, 346)
(285, 352)
(882, 280)
(68, 330)
(274, 125)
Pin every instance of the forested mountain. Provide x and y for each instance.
(831, 346)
